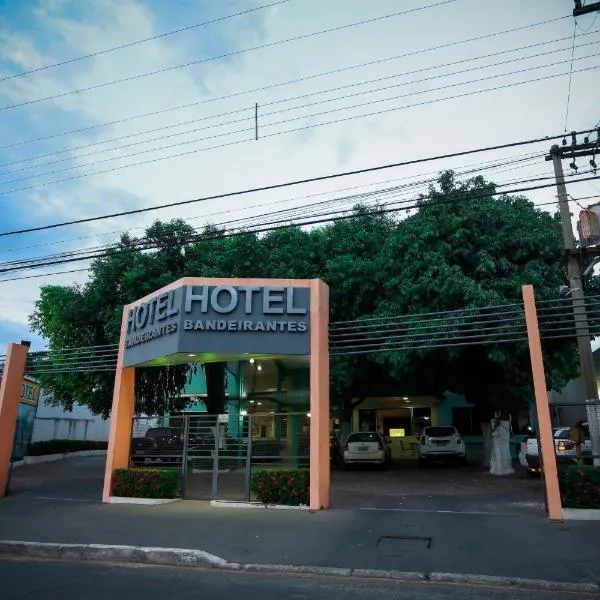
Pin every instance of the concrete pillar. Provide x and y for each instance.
(10, 392)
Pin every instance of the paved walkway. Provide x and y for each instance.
(59, 502)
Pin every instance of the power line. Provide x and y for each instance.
(272, 227)
(570, 74)
(226, 55)
(496, 165)
(189, 105)
(278, 133)
(275, 112)
(247, 109)
(291, 183)
(142, 41)
(245, 223)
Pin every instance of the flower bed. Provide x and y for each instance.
(290, 487)
(579, 486)
(145, 483)
(63, 446)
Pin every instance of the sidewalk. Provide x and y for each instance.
(525, 546)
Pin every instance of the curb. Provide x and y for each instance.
(45, 458)
(182, 557)
(257, 505)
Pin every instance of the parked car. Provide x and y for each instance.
(366, 447)
(564, 449)
(159, 443)
(166, 444)
(441, 443)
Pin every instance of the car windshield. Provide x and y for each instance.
(439, 431)
(363, 437)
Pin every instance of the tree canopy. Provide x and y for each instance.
(463, 248)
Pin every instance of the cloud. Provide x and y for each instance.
(55, 30)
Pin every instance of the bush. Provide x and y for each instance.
(63, 446)
(579, 486)
(145, 483)
(290, 487)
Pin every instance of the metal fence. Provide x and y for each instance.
(217, 454)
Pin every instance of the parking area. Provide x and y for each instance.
(437, 488)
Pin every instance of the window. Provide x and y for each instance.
(364, 437)
(439, 431)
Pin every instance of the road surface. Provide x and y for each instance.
(56, 580)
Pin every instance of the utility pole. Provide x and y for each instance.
(580, 9)
(574, 254)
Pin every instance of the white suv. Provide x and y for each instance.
(441, 442)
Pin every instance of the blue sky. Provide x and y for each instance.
(42, 32)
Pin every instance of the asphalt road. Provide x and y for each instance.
(53, 580)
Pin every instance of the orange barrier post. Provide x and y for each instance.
(547, 455)
(320, 468)
(10, 391)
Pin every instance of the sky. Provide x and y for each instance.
(67, 154)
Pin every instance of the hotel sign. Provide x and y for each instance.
(223, 320)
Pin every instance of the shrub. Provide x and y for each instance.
(145, 483)
(63, 446)
(579, 486)
(290, 487)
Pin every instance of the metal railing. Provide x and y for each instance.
(217, 454)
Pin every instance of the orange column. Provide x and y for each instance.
(10, 392)
(121, 417)
(320, 475)
(555, 511)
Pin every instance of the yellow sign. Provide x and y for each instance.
(397, 432)
(30, 393)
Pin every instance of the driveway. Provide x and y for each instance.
(437, 488)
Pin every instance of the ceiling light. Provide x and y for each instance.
(259, 368)
(308, 415)
(405, 399)
(251, 361)
(243, 413)
(191, 355)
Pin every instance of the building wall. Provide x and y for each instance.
(54, 422)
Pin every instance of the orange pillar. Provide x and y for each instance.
(10, 392)
(555, 511)
(121, 416)
(320, 475)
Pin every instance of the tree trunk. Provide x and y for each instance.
(486, 433)
(501, 460)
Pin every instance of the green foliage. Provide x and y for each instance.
(462, 248)
(146, 483)
(579, 486)
(63, 446)
(290, 487)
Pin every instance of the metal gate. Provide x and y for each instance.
(217, 454)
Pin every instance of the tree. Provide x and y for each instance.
(464, 248)
(90, 315)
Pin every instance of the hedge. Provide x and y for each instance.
(145, 483)
(289, 486)
(63, 446)
(579, 486)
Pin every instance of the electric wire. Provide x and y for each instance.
(226, 55)
(246, 109)
(290, 183)
(293, 130)
(421, 51)
(142, 41)
(273, 226)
